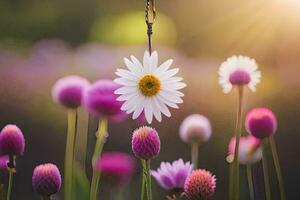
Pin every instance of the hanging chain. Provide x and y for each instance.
(150, 15)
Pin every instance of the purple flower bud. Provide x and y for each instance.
(145, 143)
(68, 91)
(46, 179)
(116, 167)
(3, 162)
(261, 122)
(100, 100)
(12, 141)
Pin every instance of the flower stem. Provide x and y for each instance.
(238, 130)
(143, 180)
(102, 129)
(69, 157)
(149, 179)
(266, 171)
(10, 182)
(195, 153)
(277, 167)
(250, 181)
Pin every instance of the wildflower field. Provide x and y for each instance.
(149, 100)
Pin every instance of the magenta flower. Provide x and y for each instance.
(172, 176)
(250, 150)
(100, 100)
(46, 179)
(3, 162)
(68, 91)
(116, 167)
(145, 143)
(195, 129)
(12, 141)
(200, 185)
(261, 122)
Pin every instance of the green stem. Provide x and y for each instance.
(277, 167)
(250, 181)
(143, 180)
(238, 130)
(149, 179)
(101, 136)
(195, 153)
(46, 198)
(10, 182)
(69, 157)
(266, 171)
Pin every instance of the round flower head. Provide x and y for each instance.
(239, 71)
(117, 168)
(3, 162)
(261, 122)
(200, 185)
(12, 141)
(172, 176)
(46, 179)
(68, 91)
(149, 87)
(145, 143)
(100, 100)
(250, 150)
(195, 129)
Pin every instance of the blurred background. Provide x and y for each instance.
(44, 40)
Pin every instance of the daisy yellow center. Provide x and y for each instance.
(149, 85)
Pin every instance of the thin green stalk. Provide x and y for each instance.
(277, 167)
(46, 198)
(10, 183)
(101, 135)
(149, 179)
(250, 181)
(238, 130)
(69, 157)
(266, 171)
(195, 153)
(143, 180)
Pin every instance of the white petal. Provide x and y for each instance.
(148, 111)
(125, 82)
(153, 61)
(156, 109)
(126, 90)
(146, 61)
(136, 62)
(169, 73)
(163, 67)
(138, 110)
(132, 67)
(171, 97)
(174, 86)
(126, 74)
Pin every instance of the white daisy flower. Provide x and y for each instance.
(148, 87)
(239, 71)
